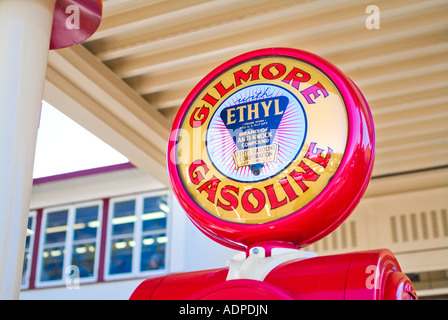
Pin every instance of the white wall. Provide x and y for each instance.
(116, 290)
(191, 249)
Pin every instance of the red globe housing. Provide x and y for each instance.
(273, 268)
(326, 211)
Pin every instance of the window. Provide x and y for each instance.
(429, 280)
(75, 246)
(137, 235)
(29, 244)
(69, 244)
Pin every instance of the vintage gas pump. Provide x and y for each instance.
(269, 153)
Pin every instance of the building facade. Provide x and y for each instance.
(97, 234)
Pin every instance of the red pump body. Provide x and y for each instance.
(368, 275)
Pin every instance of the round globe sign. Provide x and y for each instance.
(273, 146)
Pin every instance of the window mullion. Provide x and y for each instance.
(108, 244)
(98, 241)
(69, 240)
(136, 250)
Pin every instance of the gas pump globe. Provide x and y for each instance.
(269, 153)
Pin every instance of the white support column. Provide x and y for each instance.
(25, 31)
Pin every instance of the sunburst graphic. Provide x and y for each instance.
(289, 136)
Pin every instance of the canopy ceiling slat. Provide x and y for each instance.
(148, 54)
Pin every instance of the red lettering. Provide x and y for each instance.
(229, 197)
(273, 197)
(288, 189)
(252, 73)
(248, 206)
(295, 78)
(196, 176)
(212, 100)
(308, 175)
(199, 116)
(222, 90)
(317, 156)
(267, 73)
(210, 188)
(314, 90)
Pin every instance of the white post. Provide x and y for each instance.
(25, 31)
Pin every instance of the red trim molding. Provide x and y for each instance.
(83, 173)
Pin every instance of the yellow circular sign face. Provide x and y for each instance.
(261, 140)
